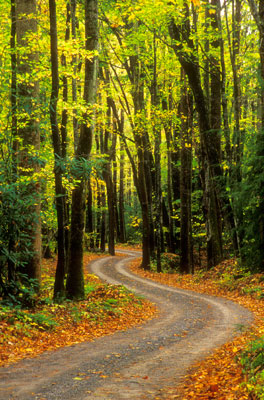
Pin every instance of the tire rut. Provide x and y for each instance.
(140, 363)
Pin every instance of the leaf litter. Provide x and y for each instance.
(107, 308)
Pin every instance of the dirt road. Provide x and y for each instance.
(141, 363)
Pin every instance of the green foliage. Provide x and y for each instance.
(228, 281)
(252, 361)
(134, 228)
(251, 200)
(257, 291)
(170, 263)
(37, 320)
(17, 200)
(90, 287)
(22, 292)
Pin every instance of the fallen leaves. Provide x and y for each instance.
(107, 309)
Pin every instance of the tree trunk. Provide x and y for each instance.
(11, 245)
(121, 194)
(111, 210)
(75, 281)
(168, 134)
(27, 95)
(157, 157)
(186, 253)
(59, 190)
(74, 81)
(142, 152)
(117, 224)
(107, 173)
(102, 224)
(89, 228)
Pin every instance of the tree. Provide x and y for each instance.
(75, 283)
(59, 157)
(27, 123)
(186, 250)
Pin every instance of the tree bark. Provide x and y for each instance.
(57, 148)
(142, 151)
(157, 157)
(89, 228)
(75, 281)
(186, 247)
(27, 97)
(117, 224)
(121, 189)
(102, 222)
(74, 81)
(107, 174)
(11, 265)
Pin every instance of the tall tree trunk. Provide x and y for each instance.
(14, 83)
(107, 174)
(175, 157)
(57, 148)
(235, 171)
(27, 97)
(215, 105)
(111, 210)
(157, 157)
(89, 227)
(117, 224)
(102, 221)
(121, 189)
(166, 106)
(13, 100)
(75, 281)
(227, 208)
(63, 133)
(186, 253)
(98, 214)
(236, 22)
(142, 152)
(226, 129)
(74, 81)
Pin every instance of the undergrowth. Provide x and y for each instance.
(252, 361)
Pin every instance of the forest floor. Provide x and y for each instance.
(218, 377)
(28, 332)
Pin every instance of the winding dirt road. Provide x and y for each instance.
(140, 363)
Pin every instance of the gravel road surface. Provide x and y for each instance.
(140, 363)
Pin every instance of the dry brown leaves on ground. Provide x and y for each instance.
(220, 375)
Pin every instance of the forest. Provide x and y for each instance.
(137, 123)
